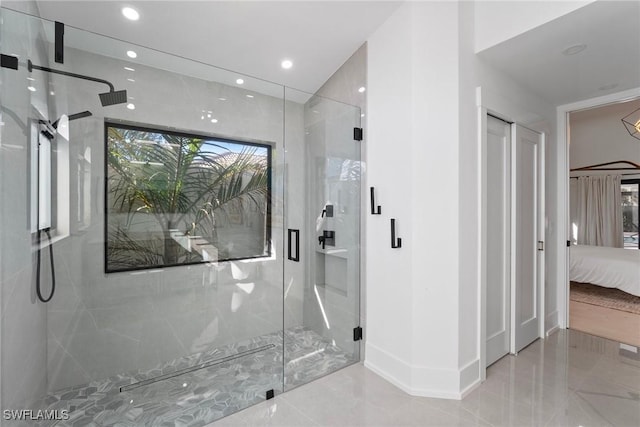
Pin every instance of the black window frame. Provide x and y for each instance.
(269, 146)
(637, 182)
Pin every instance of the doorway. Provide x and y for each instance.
(602, 285)
(563, 200)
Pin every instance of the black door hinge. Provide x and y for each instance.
(8, 61)
(568, 243)
(357, 134)
(357, 333)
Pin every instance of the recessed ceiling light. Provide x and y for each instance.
(132, 54)
(209, 116)
(575, 49)
(222, 99)
(129, 69)
(286, 64)
(240, 81)
(130, 13)
(31, 79)
(201, 117)
(131, 80)
(362, 89)
(131, 106)
(214, 120)
(31, 88)
(249, 96)
(52, 93)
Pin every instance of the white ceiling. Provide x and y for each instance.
(250, 37)
(611, 31)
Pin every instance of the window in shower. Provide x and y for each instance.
(176, 198)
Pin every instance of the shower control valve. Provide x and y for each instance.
(328, 238)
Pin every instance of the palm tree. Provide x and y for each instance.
(181, 182)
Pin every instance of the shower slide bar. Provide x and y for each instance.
(203, 365)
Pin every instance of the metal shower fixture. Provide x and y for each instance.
(112, 97)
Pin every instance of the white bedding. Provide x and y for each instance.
(608, 267)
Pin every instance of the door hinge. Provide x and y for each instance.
(8, 61)
(357, 333)
(568, 243)
(540, 245)
(357, 134)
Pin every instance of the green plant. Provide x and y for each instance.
(182, 182)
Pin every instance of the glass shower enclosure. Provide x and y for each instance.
(177, 241)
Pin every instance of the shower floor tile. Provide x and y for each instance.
(202, 395)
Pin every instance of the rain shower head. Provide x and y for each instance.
(113, 97)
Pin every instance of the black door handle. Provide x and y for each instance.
(291, 231)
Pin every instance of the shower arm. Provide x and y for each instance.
(32, 67)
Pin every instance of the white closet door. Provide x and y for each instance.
(527, 236)
(498, 240)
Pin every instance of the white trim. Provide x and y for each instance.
(553, 323)
(469, 378)
(388, 366)
(542, 215)
(553, 330)
(409, 378)
(513, 244)
(482, 237)
(562, 201)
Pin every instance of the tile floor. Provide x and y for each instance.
(569, 379)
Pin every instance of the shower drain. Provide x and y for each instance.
(203, 365)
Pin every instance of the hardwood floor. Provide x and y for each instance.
(617, 325)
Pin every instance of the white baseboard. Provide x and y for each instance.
(388, 366)
(469, 377)
(551, 323)
(423, 381)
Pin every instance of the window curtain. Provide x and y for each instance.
(599, 211)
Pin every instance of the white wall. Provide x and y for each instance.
(412, 292)
(598, 135)
(389, 271)
(423, 157)
(497, 21)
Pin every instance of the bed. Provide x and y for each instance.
(607, 267)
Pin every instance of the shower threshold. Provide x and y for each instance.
(190, 394)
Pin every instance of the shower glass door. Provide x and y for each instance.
(322, 212)
(166, 220)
